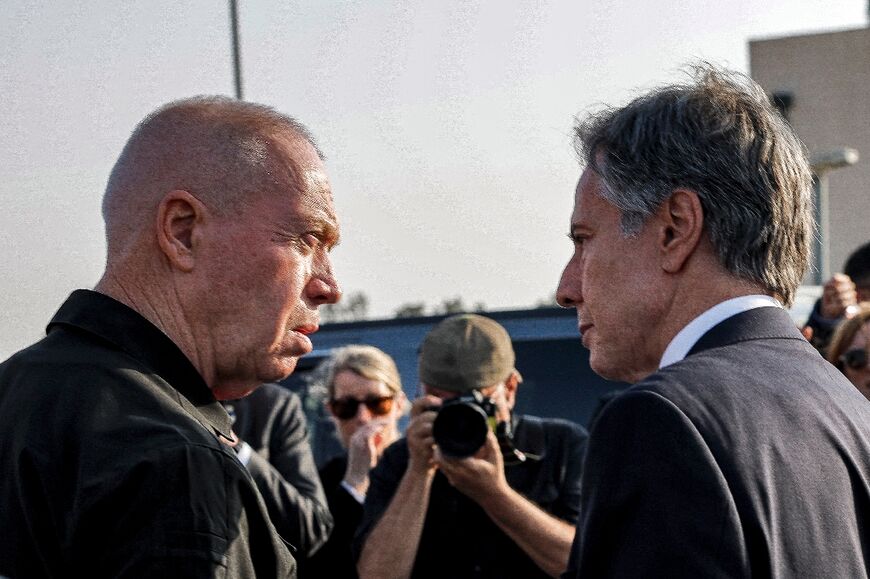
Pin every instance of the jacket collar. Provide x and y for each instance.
(125, 329)
(755, 324)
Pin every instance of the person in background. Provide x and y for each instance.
(840, 296)
(738, 451)
(365, 399)
(114, 449)
(272, 443)
(509, 508)
(850, 346)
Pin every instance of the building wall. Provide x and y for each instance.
(829, 76)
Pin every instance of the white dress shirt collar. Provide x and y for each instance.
(692, 332)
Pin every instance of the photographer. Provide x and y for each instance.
(509, 508)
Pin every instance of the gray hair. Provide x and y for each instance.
(720, 137)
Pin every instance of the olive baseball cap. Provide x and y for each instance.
(466, 352)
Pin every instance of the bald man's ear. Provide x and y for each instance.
(682, 227)
(178, 216)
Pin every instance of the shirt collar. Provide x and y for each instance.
(682, 343)
(127, 330)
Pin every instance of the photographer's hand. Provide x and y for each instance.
(421, 444)
(478, 476)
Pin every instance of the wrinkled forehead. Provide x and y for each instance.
(305, 180)
(316, 205)
(315, 193)
(299, 158)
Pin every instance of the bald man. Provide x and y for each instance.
(113, 446)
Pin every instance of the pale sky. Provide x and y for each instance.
(446, 123)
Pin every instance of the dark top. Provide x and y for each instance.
(749, 458)
(458, 538)
(335, 560)
(270, 420)
(823, 328)
(111, 462)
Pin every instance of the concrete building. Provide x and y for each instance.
(822, 81)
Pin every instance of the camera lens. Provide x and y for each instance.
(460, 429)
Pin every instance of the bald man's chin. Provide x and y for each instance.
(275, 370)
(233, 392)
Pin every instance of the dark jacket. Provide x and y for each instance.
(749, 458)
(110, 461)
(270, 420)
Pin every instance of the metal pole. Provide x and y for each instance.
(823, 163)
(823, 234)
(237, 57)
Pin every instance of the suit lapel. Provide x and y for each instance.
(754, 324)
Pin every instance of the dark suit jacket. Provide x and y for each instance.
(751, 457)
(272, 422)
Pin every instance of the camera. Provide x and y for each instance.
(462, 423)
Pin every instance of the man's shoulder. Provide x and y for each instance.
(60, 349)
(67, 354)
(67, 385)
(759, 367)
(67, 371)
(555, 448)
(748, 387)
(81, 412)
(192, 463)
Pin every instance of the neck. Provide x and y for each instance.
(160, 305)
(692, 296)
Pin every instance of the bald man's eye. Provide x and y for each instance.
(308, 242)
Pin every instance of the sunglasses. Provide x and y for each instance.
(855, 359)
(346, 408)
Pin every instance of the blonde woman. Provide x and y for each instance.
(365, 399)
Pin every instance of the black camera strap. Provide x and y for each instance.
(533, 433)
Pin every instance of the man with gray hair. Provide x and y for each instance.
(115, 452)
(739, 451)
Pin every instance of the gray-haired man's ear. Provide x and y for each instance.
(682, 224)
